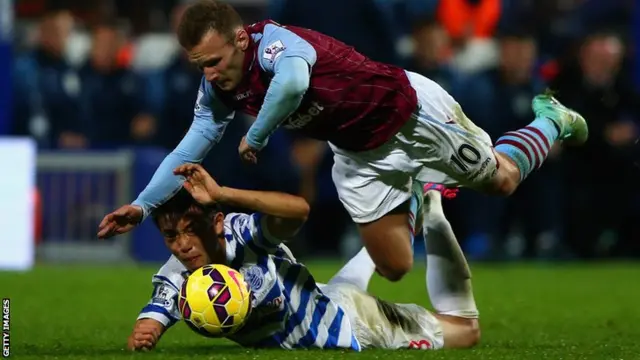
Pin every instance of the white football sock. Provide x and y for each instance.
(448, 274)
(358, 271)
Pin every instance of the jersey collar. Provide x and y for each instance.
(249, 54)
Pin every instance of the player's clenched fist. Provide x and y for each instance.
(145, 335)
(199, 183)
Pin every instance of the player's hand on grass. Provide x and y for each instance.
(199, 183)
(120, 221)
(247, 154)
(145, 335)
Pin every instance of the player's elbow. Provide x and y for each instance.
(296, 86)
(298, 210)
(305, 209)
(297, 221)
(295, 82)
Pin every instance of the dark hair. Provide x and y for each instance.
(204, 16)
(181, 205)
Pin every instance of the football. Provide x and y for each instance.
(215, 301)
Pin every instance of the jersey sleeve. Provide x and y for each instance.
(209, 107)
(278, 43)
(163, 305)
(248, 238)
(289, 59)
(209, 123)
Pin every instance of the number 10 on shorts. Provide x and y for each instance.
(464, 156)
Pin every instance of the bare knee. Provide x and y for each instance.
(472, 336)
(395, 270)
(388, 242)
(460, 333)
(502, 187)
(506, 180)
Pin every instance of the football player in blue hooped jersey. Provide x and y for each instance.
(290, 309)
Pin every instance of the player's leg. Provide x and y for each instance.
(459, 332)
(448, 278)
(445, 139)
(383, 205)
(399, 326)
(389, 240)
(524, 150)
(357, 271)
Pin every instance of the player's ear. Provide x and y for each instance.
(242, 39)
(218, 222)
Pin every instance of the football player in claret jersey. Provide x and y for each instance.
(390, 130)
(289, 308)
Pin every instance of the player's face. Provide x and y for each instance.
(221, 59)
(194, 241)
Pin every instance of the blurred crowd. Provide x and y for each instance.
(112, 76)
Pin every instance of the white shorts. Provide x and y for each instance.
(411, 326)
(438, 144)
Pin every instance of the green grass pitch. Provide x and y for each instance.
(535, 311)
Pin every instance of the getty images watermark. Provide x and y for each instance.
(6, 319)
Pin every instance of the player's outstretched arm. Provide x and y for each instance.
(289, 59)
(161, 312)
(209, 122)
(285, 213)
(145, 335)
(285, 92)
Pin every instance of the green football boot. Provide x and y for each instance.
(573, 127)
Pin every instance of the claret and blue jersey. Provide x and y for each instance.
(301, 80)
(289, 310)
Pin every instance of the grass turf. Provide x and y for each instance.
(535, 311)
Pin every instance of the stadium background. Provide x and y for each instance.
(105, 93)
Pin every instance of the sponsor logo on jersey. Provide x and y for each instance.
(299, 120)
(243, 95)
(273, 50)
